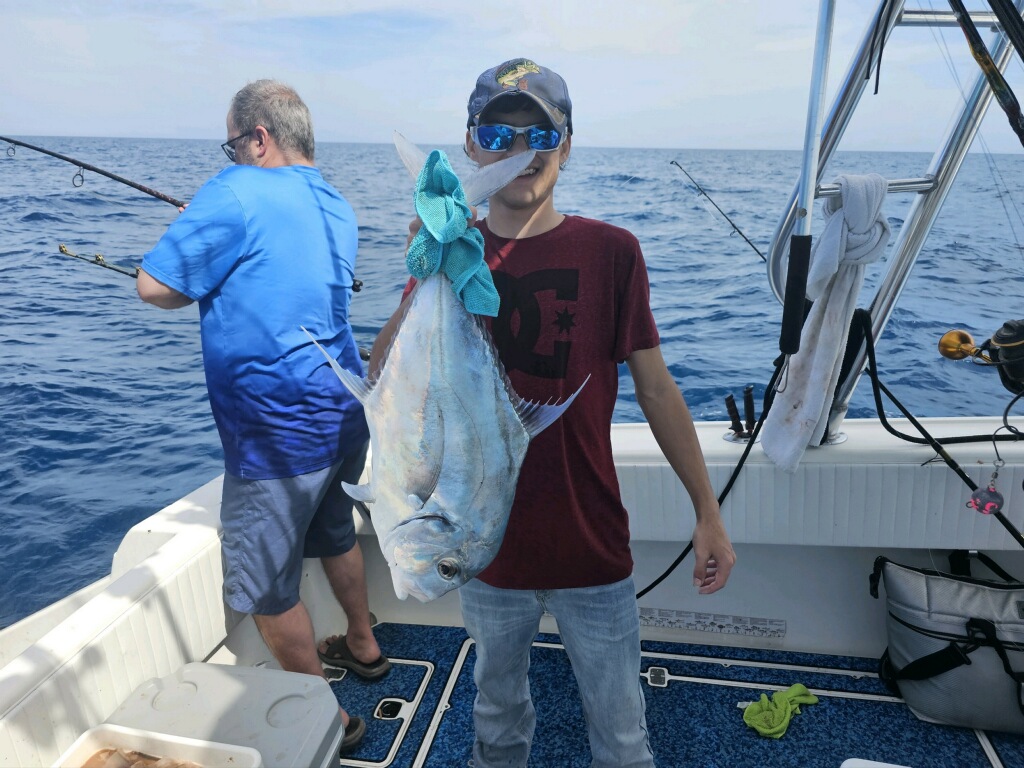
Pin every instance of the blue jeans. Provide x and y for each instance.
(600, 629)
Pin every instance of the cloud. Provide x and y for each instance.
(664, 73)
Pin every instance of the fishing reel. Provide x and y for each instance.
(1004, 350)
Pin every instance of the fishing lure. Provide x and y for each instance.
(988, 500)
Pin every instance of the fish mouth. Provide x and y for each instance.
(406, 583)
(413, 550)
(403, 588)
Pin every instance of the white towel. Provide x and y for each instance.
(855, 234)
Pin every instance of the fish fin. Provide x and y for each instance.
(536, 417)
(373, 377)
(358, 386)
(361, 493)
(420, 496)
(412, 156)
(478, 184)
(481, 183)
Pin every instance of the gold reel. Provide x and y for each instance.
(957, 344)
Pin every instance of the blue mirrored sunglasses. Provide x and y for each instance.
(500, 138)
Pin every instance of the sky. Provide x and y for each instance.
(686, 74)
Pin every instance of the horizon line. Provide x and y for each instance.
(584, 145)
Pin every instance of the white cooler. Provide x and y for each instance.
(206, 753)
(291, 719)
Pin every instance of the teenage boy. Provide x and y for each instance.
(574, 302)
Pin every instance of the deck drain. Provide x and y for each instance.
(657, 677)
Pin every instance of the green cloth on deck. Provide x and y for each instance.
(771, 717)
(445, 242)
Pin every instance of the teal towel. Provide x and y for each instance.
(445, 242)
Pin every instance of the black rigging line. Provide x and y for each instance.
(936, 444)
(878, 39)
(1000, 88)
(732, 478)
(1011, 21)
(78, 179)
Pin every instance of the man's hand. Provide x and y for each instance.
(414, 227)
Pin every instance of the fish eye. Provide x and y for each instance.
(447, 569)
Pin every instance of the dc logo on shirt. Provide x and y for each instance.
(525, 303)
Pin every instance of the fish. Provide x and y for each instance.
(448, 433)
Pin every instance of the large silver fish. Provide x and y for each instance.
(447, 433)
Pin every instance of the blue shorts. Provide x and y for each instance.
(271, 525)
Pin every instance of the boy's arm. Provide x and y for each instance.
(672, 425)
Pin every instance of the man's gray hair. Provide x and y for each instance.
(279, 109)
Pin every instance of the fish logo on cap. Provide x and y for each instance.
(514, 75)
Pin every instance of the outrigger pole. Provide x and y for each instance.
(86, 167)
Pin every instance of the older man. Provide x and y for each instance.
(265, 247)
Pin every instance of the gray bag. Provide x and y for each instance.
(956, 645)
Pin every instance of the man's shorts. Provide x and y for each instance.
(270, 525)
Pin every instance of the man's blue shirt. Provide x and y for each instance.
(265, 251)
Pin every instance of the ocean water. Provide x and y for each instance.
(104, 416)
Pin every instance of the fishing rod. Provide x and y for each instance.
(99, 261)
(79, 178)
(700, 189)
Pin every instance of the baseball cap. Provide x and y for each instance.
(523, 77)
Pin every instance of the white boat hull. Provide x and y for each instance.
(805, 543)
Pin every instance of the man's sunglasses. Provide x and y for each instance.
(229, 145)
(500, 138)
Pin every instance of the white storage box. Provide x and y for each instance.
(208, 754)
(292, 720)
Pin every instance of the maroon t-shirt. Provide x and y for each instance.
(575, 301)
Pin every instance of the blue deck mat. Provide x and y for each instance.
(693, 723)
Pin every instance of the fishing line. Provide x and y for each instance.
(79, 178)
(701, 192)
(1003, 194)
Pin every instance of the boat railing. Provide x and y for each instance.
(931, 188)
